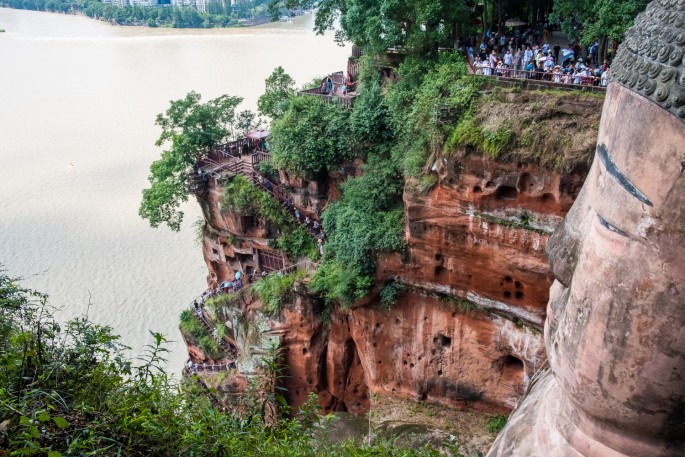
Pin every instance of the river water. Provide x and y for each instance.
(78, 100)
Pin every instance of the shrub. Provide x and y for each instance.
(210, 347)
(275, 290)
(298, 243)
(240, 196)
(311, 137)
(389, 295)
(189, 325)
(497, 423)
(340, 283)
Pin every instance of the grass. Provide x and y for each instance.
(555, 129)
(194, 331)
(464, 305)
(275, 291)
(497, 423)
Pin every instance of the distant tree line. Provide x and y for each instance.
(218, 14)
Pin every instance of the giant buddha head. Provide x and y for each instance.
(615, 329)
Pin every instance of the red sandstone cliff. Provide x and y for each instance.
(466, 329)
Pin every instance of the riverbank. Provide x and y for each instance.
(152, 17)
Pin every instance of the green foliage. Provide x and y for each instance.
(267, 169)
(497, 423)
(191, 128)
(200, 226)
(311, 137)
(466, 133)
(340, 283)
(389, 295)
(241, 196)
(412, 102)
(210, 346)
(464, 305)
(194, 331)
(368, 218)
(189, 325)
(297, 244)
(276, 97)
(69, 390)
(275, 290)
(418, 27)
(598, 18)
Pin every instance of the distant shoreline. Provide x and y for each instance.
(173, 17)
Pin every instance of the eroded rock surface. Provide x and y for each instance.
(615, 328)
(466, 330)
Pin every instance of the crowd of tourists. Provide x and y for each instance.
(528, 56)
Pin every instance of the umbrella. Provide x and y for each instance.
(514, 23)
(549, 58)
(257, 134)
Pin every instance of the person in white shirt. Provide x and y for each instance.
(508, 58)
(527, 56)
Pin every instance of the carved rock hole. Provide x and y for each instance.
(305, 350)
(397, 321)
(548, 198)
(518, 295)
(477, 190)
(506, 193)
(518, 284)
(507, 294)
(442, 340)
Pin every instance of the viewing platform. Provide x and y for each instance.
(242, 157)
(334, 88)
(533, 80)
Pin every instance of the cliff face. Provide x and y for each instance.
(466, 328)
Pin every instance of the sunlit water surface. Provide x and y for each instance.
(78, 99)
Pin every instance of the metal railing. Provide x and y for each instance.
(541, 79)
(194, 367)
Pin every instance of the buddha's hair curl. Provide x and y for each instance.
(650, 60)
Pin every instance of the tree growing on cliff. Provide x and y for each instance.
(311, 137)
(279, 88)
(190, 128)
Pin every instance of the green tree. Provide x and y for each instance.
(191, 128)
(600, 20)
(246, 121)
(311, 136)
(279, 88)
(376, 25)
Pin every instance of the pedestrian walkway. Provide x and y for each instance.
(229, 346)
(246, 165)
